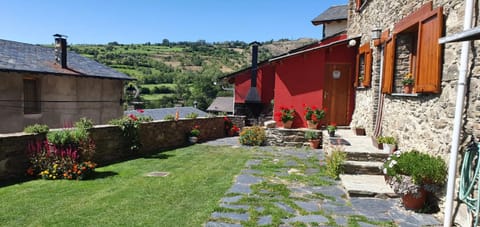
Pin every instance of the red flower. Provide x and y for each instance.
(133, 117)
(140, 111)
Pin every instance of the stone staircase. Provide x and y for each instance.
(363, 174)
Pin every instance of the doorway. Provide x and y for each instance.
(336, 95)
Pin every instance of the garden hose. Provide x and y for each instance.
(469, 177)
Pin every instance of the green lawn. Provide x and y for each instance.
(151, 97)
(122, 195)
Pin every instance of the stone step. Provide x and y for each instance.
(367, 156)
(363, 167)
(367, 186)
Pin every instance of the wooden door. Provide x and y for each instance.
(336, 96)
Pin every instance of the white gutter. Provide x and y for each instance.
(452, 167)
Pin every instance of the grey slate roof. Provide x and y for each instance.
(222, 104)
(159, 114)
(16, 56)
(332, 14)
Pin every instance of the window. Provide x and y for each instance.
(363, 73)
(31, 99)
(414, 49)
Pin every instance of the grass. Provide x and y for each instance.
(155, 96)
(122, 195)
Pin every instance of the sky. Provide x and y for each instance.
(141, 21)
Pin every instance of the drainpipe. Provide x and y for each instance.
(452, 167)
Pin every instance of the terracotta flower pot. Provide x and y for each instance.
(314, 143)
(407, 89)
(415, 202)
(360, 131)
(312, 125)
(287, 124)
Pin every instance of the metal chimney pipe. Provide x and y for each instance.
(252, 95)
(254, 64)
(61, 50)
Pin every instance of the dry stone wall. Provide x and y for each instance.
(111, 147)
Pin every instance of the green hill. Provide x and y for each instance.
(170, 73)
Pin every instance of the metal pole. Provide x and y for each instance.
(452, 167)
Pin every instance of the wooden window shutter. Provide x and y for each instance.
(357, 71)
(429, 62)
(367, 60)
(368, 68)
(389, 66)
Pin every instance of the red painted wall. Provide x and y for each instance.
(299, 79)
(265, 83)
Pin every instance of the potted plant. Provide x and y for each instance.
(313, 115)
(331, 129)
(286, 115)
(193, 134)
(389, 143)
(414, 174)
(407, 82)
(313, 137)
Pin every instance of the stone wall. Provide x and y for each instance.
(111, 147)
(288, 137)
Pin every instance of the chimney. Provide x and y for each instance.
(252, 95)
(61, 50)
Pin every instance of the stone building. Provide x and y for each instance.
(55, 87)
(400, 38)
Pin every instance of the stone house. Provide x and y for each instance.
(399, 39)
(54, 86)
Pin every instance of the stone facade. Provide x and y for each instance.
(63, 100)
(424, 121)
(111, 147)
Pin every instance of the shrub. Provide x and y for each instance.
(334, 162)
(129, 125)
(192, 115)
(169, 117)
(67, 137)
(84, 123)
(409, 171)
(36, 128)
(253, 136)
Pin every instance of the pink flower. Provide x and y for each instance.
(140, 111)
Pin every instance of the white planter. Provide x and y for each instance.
(193, 139)
(389, 148)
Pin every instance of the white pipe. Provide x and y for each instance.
(452, 167)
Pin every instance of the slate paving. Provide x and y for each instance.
(277, 188)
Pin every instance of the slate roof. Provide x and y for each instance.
(332, 14)
(222, 104)
(16, 56)
(160, 113)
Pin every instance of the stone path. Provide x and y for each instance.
(286, 187)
